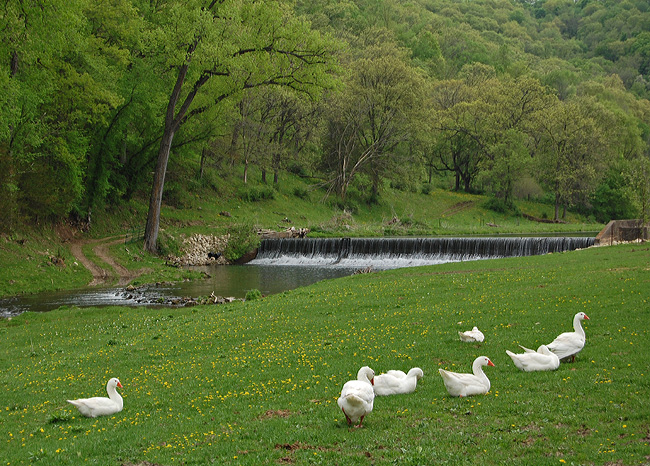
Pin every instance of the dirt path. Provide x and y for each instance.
(102, 276)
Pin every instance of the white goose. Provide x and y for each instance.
(568, 344)
(357, 396)
(397, 382)
(541, 360)
(468, 384)
(472, 335)
(101, 406)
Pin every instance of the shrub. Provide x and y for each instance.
(496, 205)
(243, 238)
(168, 245)
(612, 200)
(297, 170)
(252, 295)
(500, 206)
(301, 193)
(256, 193)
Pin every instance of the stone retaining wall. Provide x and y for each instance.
(196, 249)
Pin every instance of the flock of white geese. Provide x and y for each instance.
(357, 396)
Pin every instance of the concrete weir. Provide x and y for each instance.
(618, 231)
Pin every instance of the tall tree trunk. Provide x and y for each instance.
(172, 123)
(155, 202)
(202, 163)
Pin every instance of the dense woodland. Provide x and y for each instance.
(509, 98)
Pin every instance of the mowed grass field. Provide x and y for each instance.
(256, 383)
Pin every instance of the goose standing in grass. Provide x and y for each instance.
(357, 396)
(468, 384)
(397, 382)
(568, 344)
(541, 360)
(101, 406)
(472, 335)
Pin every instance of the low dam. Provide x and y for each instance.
(403, 252)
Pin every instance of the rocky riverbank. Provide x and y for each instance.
(143, 295)
(201, 250)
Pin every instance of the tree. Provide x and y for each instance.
(484, 122)
(371, 117)
(219, 49)
(456, 148)
(57, 86)
(639, 180)
(277, 125)
(573, 149)
(511, 108)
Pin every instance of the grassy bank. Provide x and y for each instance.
(256, 383)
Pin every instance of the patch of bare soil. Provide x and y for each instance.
(271, 413)
(142, 463)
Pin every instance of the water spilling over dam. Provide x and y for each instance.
(387, 253)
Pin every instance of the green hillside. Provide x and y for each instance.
(106, 107)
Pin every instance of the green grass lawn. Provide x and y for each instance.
(256, 382)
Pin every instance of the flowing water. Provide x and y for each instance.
(285, 264)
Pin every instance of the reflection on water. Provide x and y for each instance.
(237, 280)
(223, 280)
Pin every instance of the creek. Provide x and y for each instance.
(286, 264)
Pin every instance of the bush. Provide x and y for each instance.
(426, 189)
(612, 201)
(243, 239)
(256, 193)
(500, 206)
(178, 196)
(496, 205)
(301, 193)
(252, 295)
(298, 170)
(168, 245)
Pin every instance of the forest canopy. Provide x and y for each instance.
(508, 98)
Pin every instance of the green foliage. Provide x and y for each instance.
(612, 199)
(499, 205)
(301, 193)
(84, 89)
(243, 238)
(252, 295)
(52, 182)
(298, 169)
(255, 193)
(168, 245)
